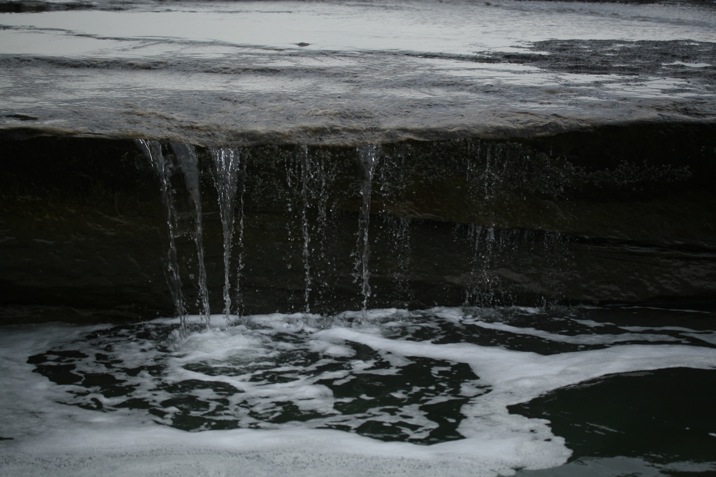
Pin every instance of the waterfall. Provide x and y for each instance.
(367, 158)
(308, 178)
(401, 250)
(395, 226)
(483, 244)
(500, 178)
(321, 176)
(227, 165)
(189, 165)
(484, 187)
(306, 252)
(164, 169)
(310, 193)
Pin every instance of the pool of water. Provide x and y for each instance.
(493, 390)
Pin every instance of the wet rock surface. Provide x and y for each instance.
(593, 217)
(521, 152)
(321, 73)
(676, 58)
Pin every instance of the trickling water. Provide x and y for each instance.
(397, 230)
(305, 190)
(291, 179)
(482, 282)
(391, 174)
(308, 178)
(321, 176)
(368, 158)
(165, 170)
(189, 165)
(392, 188)
(238, 295)
(483, 182)
(226, 179)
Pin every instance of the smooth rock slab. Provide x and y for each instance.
(297, 73)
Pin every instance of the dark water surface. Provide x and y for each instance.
(494, 389)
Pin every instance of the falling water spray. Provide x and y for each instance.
(226, 179)
(391, 174)
(367, 158)
(483, 188)
(164, 169)
(305, 191)
(189, 165)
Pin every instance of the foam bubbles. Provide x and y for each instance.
(381, 392)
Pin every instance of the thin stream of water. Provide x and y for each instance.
(368, 157)
(307, 246)
(164, 169)
(189, 165)
(226, 179)
(311, 191)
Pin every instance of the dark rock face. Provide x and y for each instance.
(615, 214)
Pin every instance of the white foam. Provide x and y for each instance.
(592, 323)
(706, 337)
(589, 339)
(220, 345)
(55, 439)
(525, 375)
(688, 65)
(331, 349)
